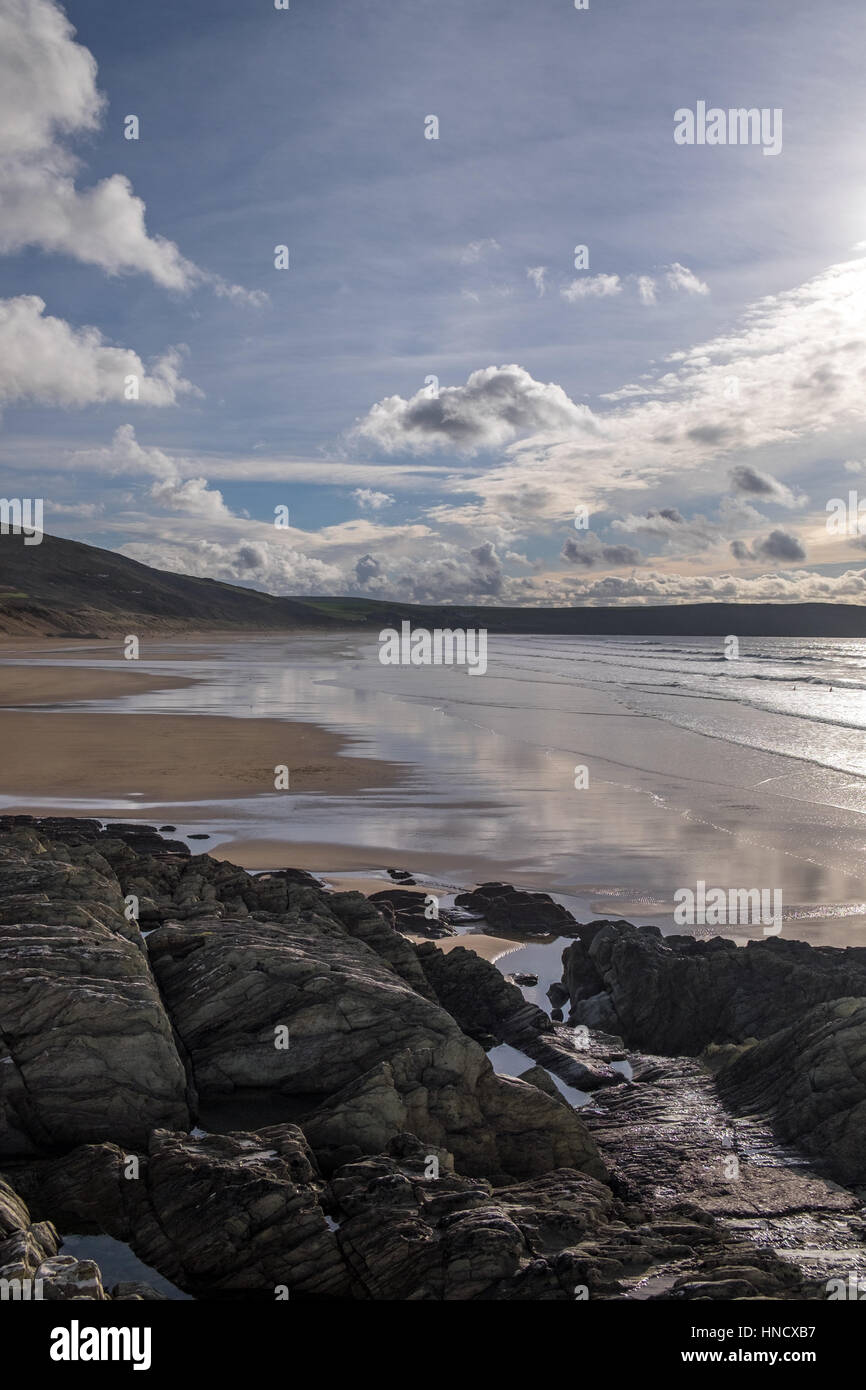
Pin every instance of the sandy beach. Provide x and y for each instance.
(49, 685)
(166, 757)
(175, 757)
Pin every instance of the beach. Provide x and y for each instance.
(466, 780)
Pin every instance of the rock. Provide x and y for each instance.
(86, 1048)
(228, 1213)
(363, 922)
(368, 1057)
(410, 1236)
(231, 985)
(492, 1124)
(30, 1268)
(522, 978)
(490, 1009)
(677, 995)
(811, 1079)
(537, 1076)
(510, 909)
(406, 911)
(477, 994)
(134, 1290)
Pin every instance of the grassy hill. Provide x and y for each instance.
(64, 588)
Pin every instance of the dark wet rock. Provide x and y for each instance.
(538, 1076)
(306, 1008)
(674, 1147)
(410, 912)
(677, 995)
(228, 1213)
(133, 1290)
(168, 829)
(635, 1196)
(199, 837)
(811, 1080)
(511, 909)
(477, 994)
(86, 1048)
(31, 1270)
(400, 876)
(491, 1009)
(522, 977)
(406, 1235)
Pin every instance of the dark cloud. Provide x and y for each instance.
(709, 434)
(779, 545)
(367, 568)
(750, 481)
(591, 552)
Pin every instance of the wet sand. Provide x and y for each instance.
(173, 758)
(50, 685)
(490, 947)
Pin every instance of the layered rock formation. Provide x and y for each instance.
(508, 909)
(362, 1146)
(677, 995)
(811, 1079)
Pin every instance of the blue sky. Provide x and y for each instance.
(698, 387)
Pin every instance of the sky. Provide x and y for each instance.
(448, 400)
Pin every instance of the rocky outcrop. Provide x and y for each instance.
(86, 1048)
(31, 1270)
(409, 912)
(229, 1213)
(811, 1080)
(494, 1125)
(246, 1215)
(365, 923)
(302, 1006)
(492, 1010)
(677, 995)
(508, 909)
(483, 1002)
(402, 1165)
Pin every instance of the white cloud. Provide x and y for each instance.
(192, 497)
(799, 364)
(649, 587)
(278, 568)
(495, 406)
(44, 360)
(48, 92)
(679, 277)
(646, 288)
(477, 250)
(536, 274)
(592, 287)
(371, 500)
